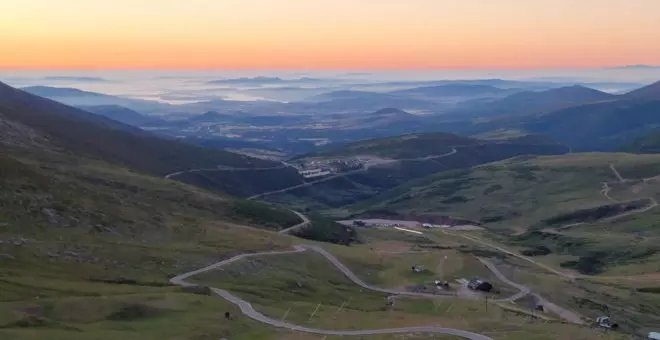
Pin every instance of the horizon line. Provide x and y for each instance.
(330, 69)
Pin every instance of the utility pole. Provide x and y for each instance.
(286, 314)
(314, 313)
(442, 267)
(339, 309)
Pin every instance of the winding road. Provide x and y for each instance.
(606, 192)
(523, 290)
(227, 169)
(305, 222)
(348, 173)
(563, 313)
(249, 311)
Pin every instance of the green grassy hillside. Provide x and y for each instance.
(603, 126)
(87, 247)
(243, 183)
(377, 180)
(420, 145)
(99, 137)
(557, 203)
(518, 191)
(309, 291)
(406, 146)
(647, 143)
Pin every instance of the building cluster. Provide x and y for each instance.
(321, 168)
(314, 173)
(480, 285)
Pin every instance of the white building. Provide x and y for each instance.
(313, 173)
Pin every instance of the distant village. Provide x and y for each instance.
(320, 168)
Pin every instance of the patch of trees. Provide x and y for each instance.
(480, 252)
(127, 281)
(456, 200)
(263, 215)
(652, 290)
(499, 216)
(243, 183)
(325, 230)
(492, 219)
(597, 213)
(537, 251)
(493, 188)
(537, 236)
(591, 264)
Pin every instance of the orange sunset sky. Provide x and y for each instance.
(327, 34)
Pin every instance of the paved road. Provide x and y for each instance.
(226, 169)
(247, 309)
(564, 313)
(523, 290)
(617, 174)
(454, 150)
(606, 192)
(348, 173)
(569, 276)
(305, 222)
(370, 222)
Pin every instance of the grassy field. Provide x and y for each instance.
(631, 299)
(167, 313)
(406, 146)
(620, 298)
(388, 255)
(521, 191)
(379, 180)
(93, 236)
(306, 289)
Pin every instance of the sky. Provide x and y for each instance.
(327, 34)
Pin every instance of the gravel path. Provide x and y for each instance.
(247, 309)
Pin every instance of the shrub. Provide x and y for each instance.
(537, 251)
(587, 265)
(325, 230)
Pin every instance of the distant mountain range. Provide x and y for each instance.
(526, 103)
(349, 115)
(264, 81)
(601, 122)
(650, 92)
(76, 97)
(600, 126)
(424, 94)
(81, 79)
(97, 136)
(122, 114)
(649, 142)
(211, 116)
(367, 101)
(636, 67)
(62, 92)
(455, 90)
